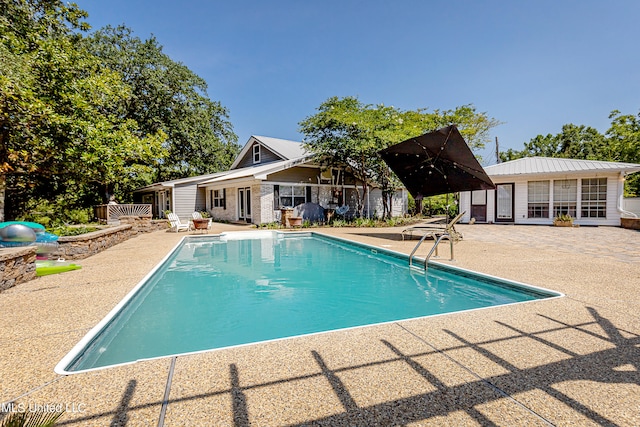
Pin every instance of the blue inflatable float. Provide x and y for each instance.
(37, 228)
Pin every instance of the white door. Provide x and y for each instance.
(244, 204)
(504, 202)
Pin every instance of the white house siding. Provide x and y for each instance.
(398, 207)
(185, 198)
(373, 203)
(399, 204)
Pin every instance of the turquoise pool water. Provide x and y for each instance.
(222, 291)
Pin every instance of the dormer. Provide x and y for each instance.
(260, 150)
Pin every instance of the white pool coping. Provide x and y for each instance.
(78, 349)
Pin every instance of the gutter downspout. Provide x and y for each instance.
(623, 213)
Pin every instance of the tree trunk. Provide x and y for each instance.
(3, 189)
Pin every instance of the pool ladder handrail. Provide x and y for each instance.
(434, 248)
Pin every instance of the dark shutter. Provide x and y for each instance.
(224, 198)
(276, 197)
(308, 193)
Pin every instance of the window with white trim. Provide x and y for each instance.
(538, 199)
(594, 198)
(292, 195)
(217, 198)
(565, 197)
(256, 153)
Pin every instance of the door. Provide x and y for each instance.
(504, 202)
(164, 203)
(479, 205)
(244, 204)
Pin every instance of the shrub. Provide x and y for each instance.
(78, 216)
(55, 214)
(63, 230)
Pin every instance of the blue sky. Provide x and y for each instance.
(532, 65)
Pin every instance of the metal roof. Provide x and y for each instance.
(172, 183)
(257, 172)
(551, 165)
(284, 148)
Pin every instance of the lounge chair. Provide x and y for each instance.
(176, 224)
(198, 215)
(436, 228)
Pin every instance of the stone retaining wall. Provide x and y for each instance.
(85, 245)
(17, 265)
(144, 224)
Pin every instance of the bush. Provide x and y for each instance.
(270, 225)
(55, 214)
(435, 205)
(63, 230)
(78, 216)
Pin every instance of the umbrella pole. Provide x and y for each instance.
(447, 207)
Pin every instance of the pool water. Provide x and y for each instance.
(222, 291)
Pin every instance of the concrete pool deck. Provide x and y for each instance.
(567, 361)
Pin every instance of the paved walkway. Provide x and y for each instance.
(567, 361)
(609, 242)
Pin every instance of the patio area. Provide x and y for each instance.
(567, 361)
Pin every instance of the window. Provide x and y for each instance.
(538, 199)
(256, 153)
(565, 197)
(218, 198)
(594, 198)
(479, 197)
(291, 195)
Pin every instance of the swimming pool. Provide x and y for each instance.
(241, 288)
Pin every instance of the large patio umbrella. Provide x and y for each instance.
(438, 162)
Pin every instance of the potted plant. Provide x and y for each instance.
(563, 220)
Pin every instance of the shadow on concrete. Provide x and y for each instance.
(601, 366)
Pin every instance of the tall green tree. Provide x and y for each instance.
(621, 143)
(167, 96)
(573, 142)
(623, 137)
(345, 131)
(60, 139)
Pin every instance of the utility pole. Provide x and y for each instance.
(497, 151)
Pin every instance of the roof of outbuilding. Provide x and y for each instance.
(548, 165)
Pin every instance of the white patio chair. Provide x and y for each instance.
(176, 224)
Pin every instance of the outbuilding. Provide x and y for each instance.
(535, 190)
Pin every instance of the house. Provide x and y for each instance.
(179, 195)
(534, 190)
(267, 175)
